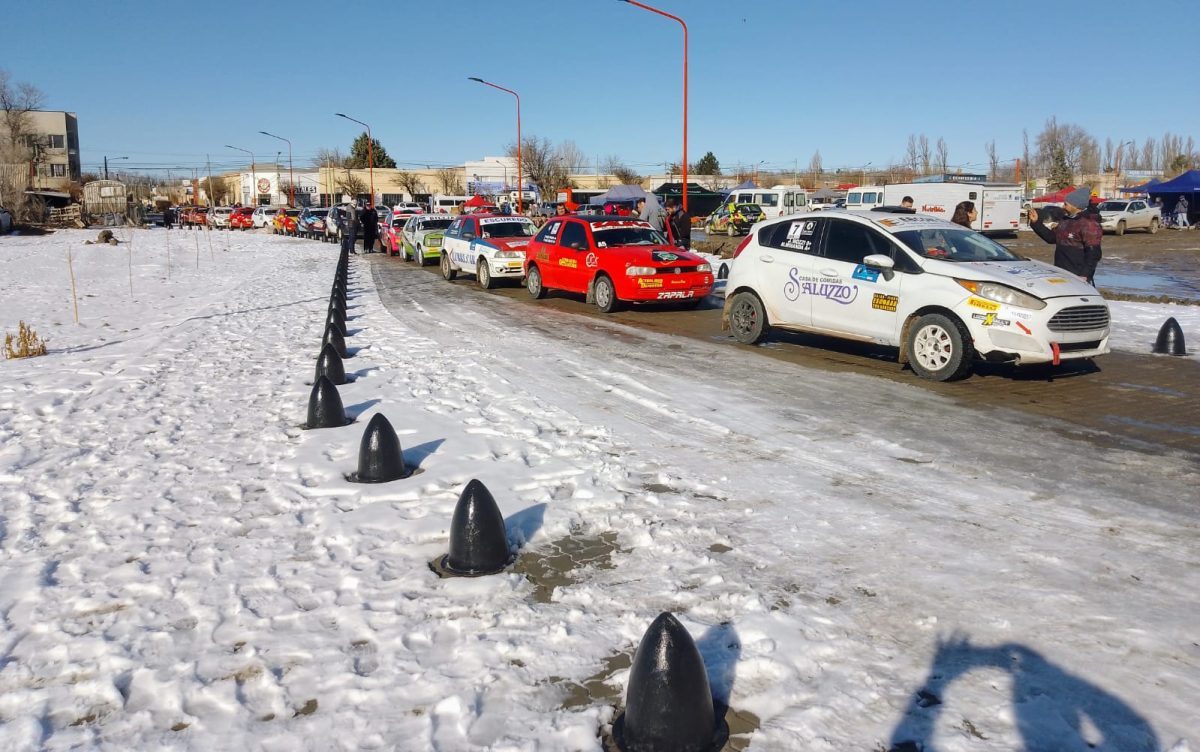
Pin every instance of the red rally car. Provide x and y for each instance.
(241, 218)
(613, 260)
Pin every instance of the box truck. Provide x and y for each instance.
(998, 204)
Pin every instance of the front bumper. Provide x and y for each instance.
(1056, 333)
(507, 267)
(666, 287)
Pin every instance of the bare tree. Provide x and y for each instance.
(410, 182)
(1149, 151)
(17, 100)
(329, 158)
(912, 155)
(943, 155)
(993, 162)
(1110, 159)
(548, 166)
(923, 150)
(450, 181)
(814, 165)
(624, 174)
(352, 185)
(1025, 153)
(1069, 144)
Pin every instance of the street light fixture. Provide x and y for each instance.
(106, 164)
(520, 170)
(370, 155)
(684, 165)
(291, 175)
(253, 177)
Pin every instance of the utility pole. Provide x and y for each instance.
(208, 162)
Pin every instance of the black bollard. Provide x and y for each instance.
(1170, 339)
(329, 365)
(478, 543)
(325, 406)
(338, 317)
(334, 337)
(380, 458)
(332, 322)
(669, 704)
(337, 304)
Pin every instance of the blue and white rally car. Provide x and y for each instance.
(944, 295)
(490, 246)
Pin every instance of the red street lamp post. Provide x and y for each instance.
(291, 175)
(520, 171)
(684, 165)
(370, 154)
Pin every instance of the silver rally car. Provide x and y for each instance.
(944, 295)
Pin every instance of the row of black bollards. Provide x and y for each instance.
(669, 703)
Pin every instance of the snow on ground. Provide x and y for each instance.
(861, 562)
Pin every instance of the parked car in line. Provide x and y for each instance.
(1118, 216)
(263, 215)
(6, 221)
(735, 222)
(423, 235)
(284, 221)
(194, 216)
(218, 217)
(391, 233)
(614, 260)
(943, 294)
(490, 246)
(242, 218)
(338, 215)
(407, 207)
(310, 223)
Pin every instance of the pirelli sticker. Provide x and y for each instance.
(983, 305)
(881, 302)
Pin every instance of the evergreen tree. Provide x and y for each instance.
(707, 165)
(358, 154)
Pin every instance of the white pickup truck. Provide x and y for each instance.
(1118, 216)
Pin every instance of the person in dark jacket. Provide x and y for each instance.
(1076, 238)
(370, 225)
(681, 223)
(349, 227)
(168, 217)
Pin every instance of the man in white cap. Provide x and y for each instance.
(1076, 238)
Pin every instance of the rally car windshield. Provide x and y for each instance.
(435, 224)
(955, 245)
(615, 236)
(508, 230)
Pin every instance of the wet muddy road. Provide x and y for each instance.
(1142, 402)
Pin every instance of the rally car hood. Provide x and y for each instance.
(655, 255)
(1034, 277)
(506, 244)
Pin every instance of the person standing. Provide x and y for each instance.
(965, 214)
(651, 212)
(350, 228)
(1181, 209)
(168, 217)
(1076, 238)
(370, 225)
(680, 222)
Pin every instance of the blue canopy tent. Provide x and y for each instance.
(1143, 188)
(745, 184)
(1186, 186)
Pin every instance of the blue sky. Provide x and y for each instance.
(771, 80)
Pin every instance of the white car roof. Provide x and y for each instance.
(887, 221)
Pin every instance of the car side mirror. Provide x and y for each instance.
(883, 263)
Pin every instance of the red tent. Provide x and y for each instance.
(1054, 198)
(475, 201)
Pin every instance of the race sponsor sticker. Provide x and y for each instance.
(1057, 281)
(649, 284)
(664, 257)
(498, 220)
(797, 237)
(619, 223)
(881, 302)
(865, 273)
(910, 219)
(989, 319)
(570, 263)
(592, 261)
(837, 291)
(985, 305)
(676, 295)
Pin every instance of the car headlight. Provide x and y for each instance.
(433, 242)
(640, 271)
(1002, 294)
(704, 268)
(509, 254)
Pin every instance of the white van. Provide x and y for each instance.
(445, 204)
(864, 197)
(998, 204)
(777, 201)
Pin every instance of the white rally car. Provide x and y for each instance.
(943, 294)
(490, 246)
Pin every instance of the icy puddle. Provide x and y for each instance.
(556, 565)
